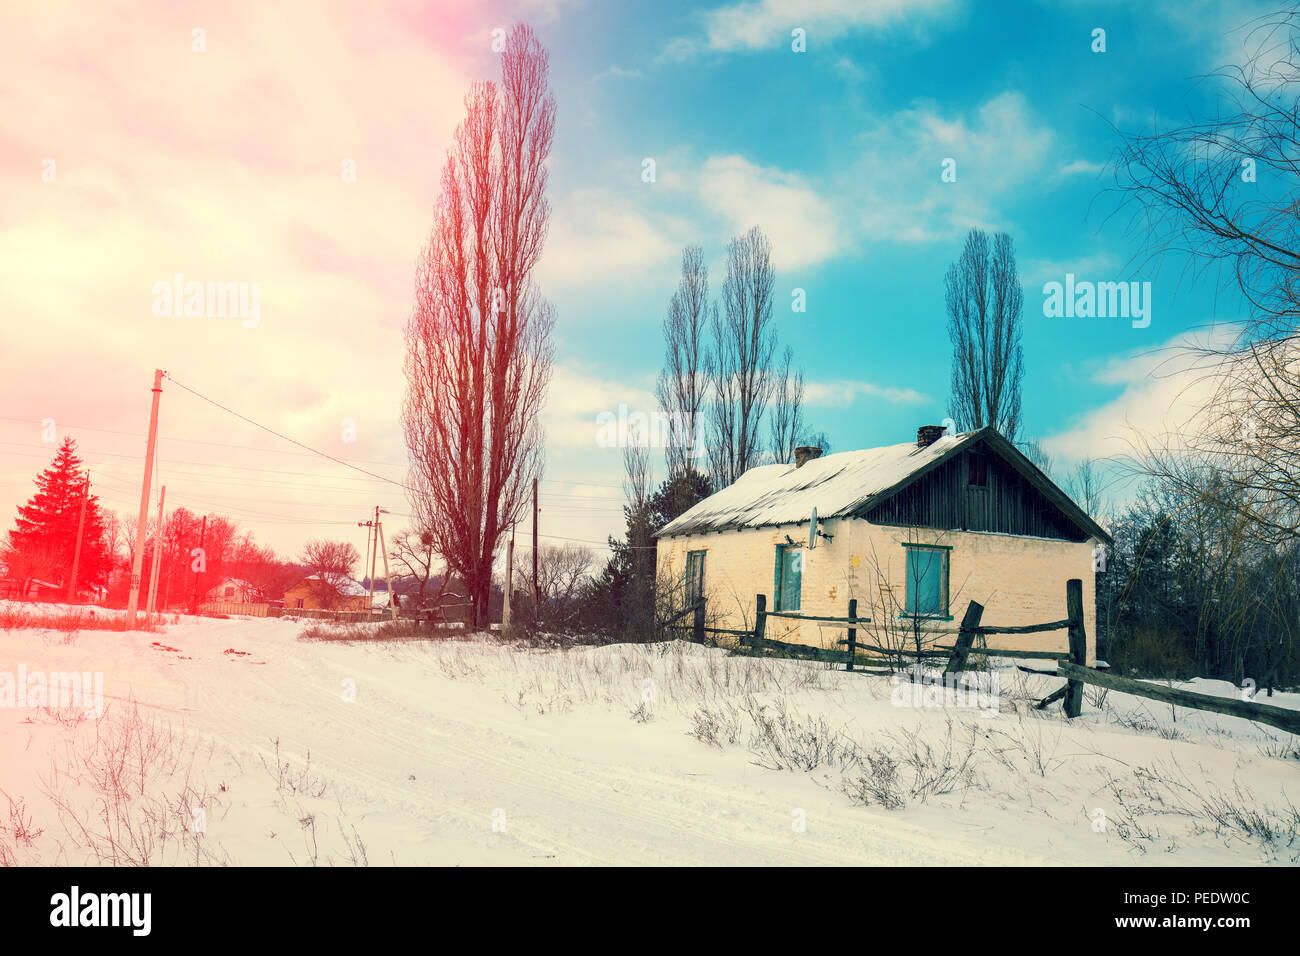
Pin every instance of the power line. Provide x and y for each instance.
(201, 464)
(280, 435)
(194, 441)
(270, 451)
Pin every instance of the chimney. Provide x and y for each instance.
(805, 453)
(927, 435)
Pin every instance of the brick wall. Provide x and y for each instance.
(1019, 580)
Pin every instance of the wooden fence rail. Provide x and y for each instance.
(1283, 718)
(1071, 664)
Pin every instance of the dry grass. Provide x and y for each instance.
(71, 621)
(399, 630)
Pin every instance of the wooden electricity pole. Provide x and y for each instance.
(76, 552)
(157, 558)
(372, 561)
(388, 581)
(137, 563)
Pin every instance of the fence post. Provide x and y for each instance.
(1078, 645)
(853, 632)
(760, 616)
(965, 637)
(697, 630)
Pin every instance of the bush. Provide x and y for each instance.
(1147, 653)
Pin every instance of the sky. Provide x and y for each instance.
(294, 149)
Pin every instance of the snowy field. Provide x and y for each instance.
(233, 741)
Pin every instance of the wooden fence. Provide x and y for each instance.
(234, 607)
(1072, 664)
(697, 629)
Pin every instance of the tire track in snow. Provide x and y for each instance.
(654, 809)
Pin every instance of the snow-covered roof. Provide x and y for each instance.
(836, 485)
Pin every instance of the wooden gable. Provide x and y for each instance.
(978, 489)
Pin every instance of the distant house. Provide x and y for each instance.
(913, 532)
(334, 593)
(234, 590)
(12, 589)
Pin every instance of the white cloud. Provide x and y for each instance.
(841, 393)
(1165, 391)
(802, 225)
(605, 235)
(1101, 267)
(767, 24)
(574, 401)
(891, 191)
(1080, 167)
(896, 189)
(619, 73)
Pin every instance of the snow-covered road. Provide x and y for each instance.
(475, 754)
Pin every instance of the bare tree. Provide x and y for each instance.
(561, 573)
(638, 487)
(1033, 450)
(817, 440)
(1224, 196)
(331, 565)
(478, 340)
(984, 301)
(268, 576)
(684, 380)
(1084, 486)
(28, 564)
(787, 411)
(415, 550)
(744, 341)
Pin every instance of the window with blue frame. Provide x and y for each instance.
(927, 581)
(694, 576)
(789, 577)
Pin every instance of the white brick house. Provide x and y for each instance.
(911, 531)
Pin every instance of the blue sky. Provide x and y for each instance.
(837, 152)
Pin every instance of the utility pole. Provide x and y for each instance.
(370, 537)
(510, 571)
(76, 552)
(376, 532)
(194, 598)
(372, 560)
(157, 558)
(370, 532)
(536, 595)
(138, 562)
(388, 581)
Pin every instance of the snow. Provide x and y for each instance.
(475, 752)
(836, 485)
